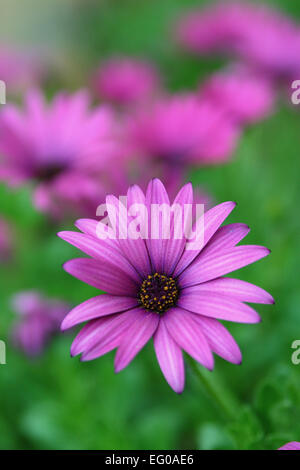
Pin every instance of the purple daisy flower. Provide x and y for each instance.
(20, 69)
(257, 34)
(291, 446)
(126, 81)
(246, 95)
(64, 147)
(159, 288)
(183, 129)
(39, 321)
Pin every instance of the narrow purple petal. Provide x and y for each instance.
(218, 265)
(291, 446)
(236, 289)
(170, 357)
(97, 307)
(91, 226)
(105, 346)
(137, 335)
(102, 276)
(88, 226)
(212, 221)
(226, 237)
(217, 306)
(134, 250)
(105, 328)
(175, 246)
(189, 336)
(156, 195)
(99, 250)
(110, 341)
(219, 339)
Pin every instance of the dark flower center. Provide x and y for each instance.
(158, 292)
(50, 171)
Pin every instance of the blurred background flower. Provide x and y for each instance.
(247, 96)
(20, 69)
(63, 147)
(183, 129)
(253, 32)
(40, 319)
(126, 81)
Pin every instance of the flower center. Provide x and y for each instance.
(158, 293)
(49, 172)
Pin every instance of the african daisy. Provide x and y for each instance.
(39, 320)
(158, 287)
(63, 147)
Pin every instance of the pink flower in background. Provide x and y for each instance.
(63, 147)
(291, 446)
(126, 81)
(20, 69)
(246, 95)
(39, 320)
(6, 241)
(256, 34)
(183, 129)
(157, 287)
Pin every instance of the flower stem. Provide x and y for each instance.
(215, 390)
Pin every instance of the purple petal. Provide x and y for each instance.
(225, 237)
(291, 446)
(189, 336)
(219, 339)
(133, 249)
(217, 306)
(97, 307)
(156, 194)
(90, 227)
(105, 328)
(102, 276)
(99, 250)
(212, 221)
(169, 356)
(236, 289)
(218, 265)
(137, 335)
(105, 346)
(111, 341)
(174, 247)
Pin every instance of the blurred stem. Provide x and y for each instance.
(215, 389)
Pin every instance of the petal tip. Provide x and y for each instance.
(60, 234)
(64, 325)
(117, 369)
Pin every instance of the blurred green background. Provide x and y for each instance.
(56, 402)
